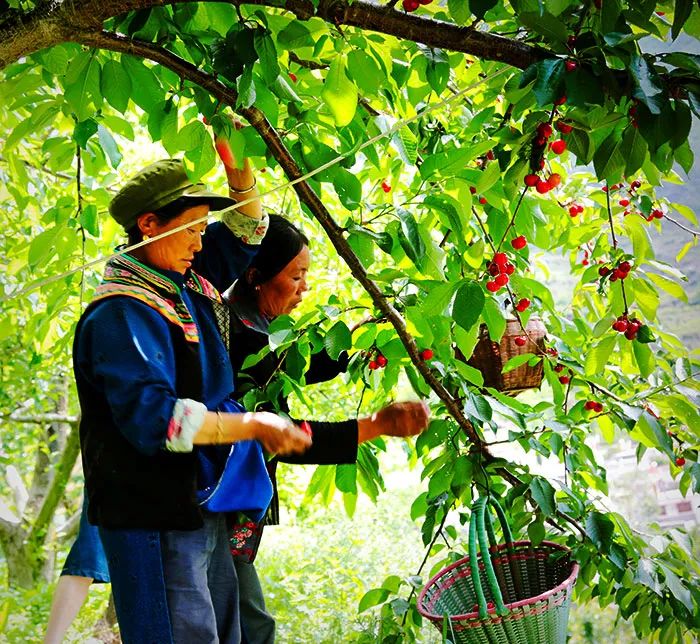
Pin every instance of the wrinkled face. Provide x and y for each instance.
(174, 252)
(282, 293)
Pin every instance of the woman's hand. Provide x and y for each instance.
(241, 180)
(397, 419)
(279, 435)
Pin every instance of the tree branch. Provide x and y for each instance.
(59, 21)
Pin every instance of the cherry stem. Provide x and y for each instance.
(512, 219)
(614, 240)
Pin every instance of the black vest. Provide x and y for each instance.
(129, 489)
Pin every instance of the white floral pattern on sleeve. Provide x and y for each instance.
(248, 230)
(187, 418)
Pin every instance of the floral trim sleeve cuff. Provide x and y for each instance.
(248, 230)
(187, 418)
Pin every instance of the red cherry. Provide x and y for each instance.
(680, 461)
(598, 407)
(617, 274)
(564, 380)
(554, 179)
(559, 146)
(561, 100)
(625, 266)
(624, 202)
(590, 405)
(508, 268)
(571, 65)
(386, 187)
(531, 180)
(372, 365)
(410, 5)
(482, 200)
(502, 279)
(494, 269)
(543, 186)
(501, 259)
(571, 41)
(426, 354)
(545, 130)
(636, 184)
(657, 213)
(519, 242)
(490, 156)
(520, 341)
(559, 368)
(540, 141)
(603, 271)
(472, 189)
(381, 360)
(564, 128)
(204, 120)
(492, 286)
(573, 210)
(522, 304)
(292, 77)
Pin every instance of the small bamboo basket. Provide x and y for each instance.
(512, 593)
(490, 357)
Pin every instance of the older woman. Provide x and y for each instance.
(152, 376)
(273, 285)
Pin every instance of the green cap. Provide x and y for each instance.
(156, 186)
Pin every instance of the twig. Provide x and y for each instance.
(512, 219)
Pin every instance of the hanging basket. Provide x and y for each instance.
(513, 593)
(490, 357)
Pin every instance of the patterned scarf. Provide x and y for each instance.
(125, 275)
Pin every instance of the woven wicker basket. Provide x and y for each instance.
(514, 593)
(490, 357)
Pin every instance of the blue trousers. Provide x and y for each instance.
(175, 586)
(201, 584)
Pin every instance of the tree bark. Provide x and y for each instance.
(56, 21)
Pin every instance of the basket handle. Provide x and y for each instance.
(477, 530)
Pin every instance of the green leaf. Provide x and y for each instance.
(115, 85)
(675, 585)
(83, 84)
(608, 160)
(495, 321)
(468, 304)
(89, 220)
(339, 93)
(536, 532)
(518, 361)
(598, 356)
(245, 85)
(109, 145)
(373, 598)
(459, 10)
(545, 24)
(409, 237)
(681, 13)
(648, 84)
(634, 148)
(600, 530)
(346, 478)
(480, 7)
(348, 188)
(83, 131)
(543, 494)
(267, 55)
(579, 143)
(550, 81)
(337, 339)
(488, 177)
(406, 145)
